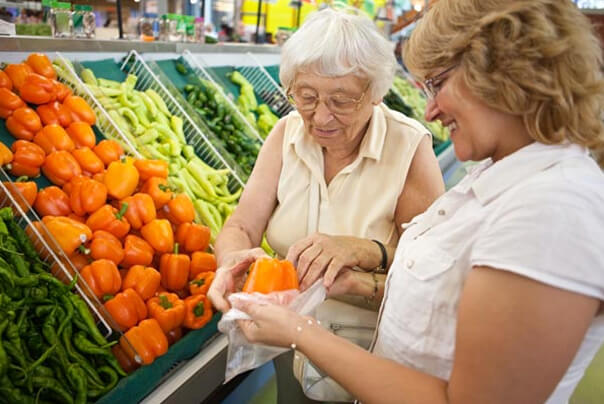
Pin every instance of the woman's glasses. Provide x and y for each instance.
(307, 100)
(433, 85)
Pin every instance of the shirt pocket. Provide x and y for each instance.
(425, 260)
(420, 285)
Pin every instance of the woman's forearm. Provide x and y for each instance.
(369, 378)
(369, 254)
(233, 237)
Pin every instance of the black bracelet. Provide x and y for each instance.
(384, 264)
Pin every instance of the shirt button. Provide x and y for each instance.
(410, 263)
(442, 212)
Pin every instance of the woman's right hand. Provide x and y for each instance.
(230, 276)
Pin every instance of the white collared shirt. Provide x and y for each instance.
(538, 212)
(361, 200)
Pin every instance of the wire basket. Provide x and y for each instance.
(207, 149)
(51, 253)
(200, 68)
(265, 86)
(104, 121)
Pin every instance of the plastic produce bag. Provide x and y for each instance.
(243, 355)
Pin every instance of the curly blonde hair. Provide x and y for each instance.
(538, 59)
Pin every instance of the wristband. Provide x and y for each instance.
(384, 265)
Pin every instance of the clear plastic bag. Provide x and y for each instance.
(243, 355)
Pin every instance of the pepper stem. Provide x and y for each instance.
(164, 302)
(198, 309)
(22, 178)
(122, 211)
(175, 248)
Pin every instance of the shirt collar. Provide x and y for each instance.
(371, 145)
(522, 164)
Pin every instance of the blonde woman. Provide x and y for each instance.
(334, 180)
(496, 292)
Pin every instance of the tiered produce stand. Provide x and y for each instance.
(203, 112)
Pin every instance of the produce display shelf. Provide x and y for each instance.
(202, 70)
(265, 86)
(210, 150)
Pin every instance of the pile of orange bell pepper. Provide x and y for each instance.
(130, 237)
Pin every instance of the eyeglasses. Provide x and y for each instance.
(433, 84)
(307, 100)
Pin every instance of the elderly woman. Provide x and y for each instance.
(334, 180)
(496, 292)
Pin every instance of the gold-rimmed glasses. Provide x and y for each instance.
(307, 100)
(433, 84)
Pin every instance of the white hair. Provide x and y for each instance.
(335, 43)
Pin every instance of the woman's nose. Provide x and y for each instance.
(322, 114)
(432, 110)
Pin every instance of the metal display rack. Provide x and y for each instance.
(51, 253)
(104, 121)
(200, 68)
(266, 87)
(195, 136)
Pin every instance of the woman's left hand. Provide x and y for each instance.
(271, 324)
(322, 255)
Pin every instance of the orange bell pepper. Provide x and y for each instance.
(60, 167)
(87, 195)
(28, 191)
(6, 156)
(174, 269)
(141, 210)
(70, 234)
(5, 81)
(159, 190)
(126, 308)
(82, 135)
(147, 340)
(40, 64)
(151, 168)
(38, 90)
(193, 237)
(145, 280)
(24, 123)
(121, 179)
(28, 157)
(54, 112)
(103, 277)
(80, 109)
(158, 233)
(180, 210)
(52, 201)
(109, 219)
(62, 90)
(136, 252)
(18, 72)
(108, 151)
(105, 245)
(9, 102)
(202, 262)
(271, 275)
(53, 138)
(201, 283)
(168, 310)
(89, 162)
(199, 311)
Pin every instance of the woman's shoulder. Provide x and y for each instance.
(405, 124)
